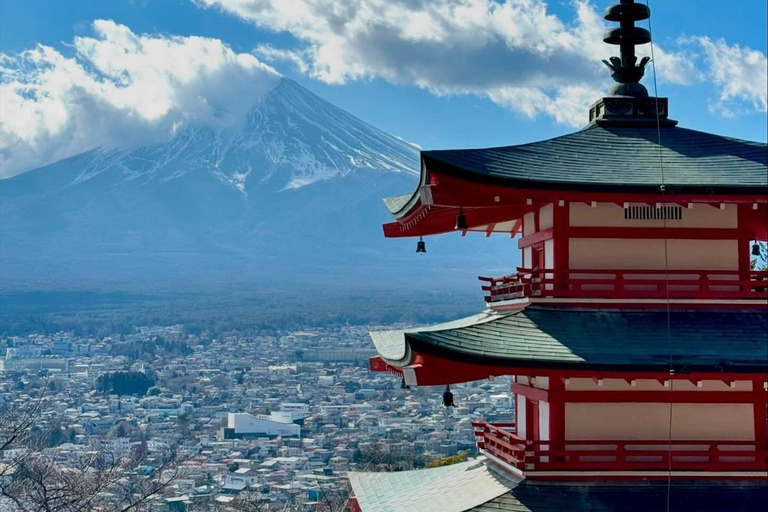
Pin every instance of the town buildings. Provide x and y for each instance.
(354, 419)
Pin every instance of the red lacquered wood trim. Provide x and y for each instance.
(561, 249)
(655, 233)
(677, 397)
(615, 476)
(353, 504)
(620, 455)
(557, 413)
(535, 238)
(432, 220)
(452, 191)
(529, 392)
(438, 371)
(761, 412)
(654, 304)
(623, 284)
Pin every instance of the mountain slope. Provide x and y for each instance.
(295, 190)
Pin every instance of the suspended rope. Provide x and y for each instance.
(666, 269)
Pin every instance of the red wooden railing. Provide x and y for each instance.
(628, 284)
(500, 441)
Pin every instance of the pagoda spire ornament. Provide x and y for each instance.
(625, 70)
(628, 101)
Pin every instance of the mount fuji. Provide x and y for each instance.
(293, 195)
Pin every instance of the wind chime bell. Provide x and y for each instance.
(448, 397)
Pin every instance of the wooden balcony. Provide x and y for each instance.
(627, 284)
(501, 442)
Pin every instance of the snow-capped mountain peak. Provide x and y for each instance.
(290, 140)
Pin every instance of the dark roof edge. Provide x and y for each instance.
(419, 345)
(434, 164)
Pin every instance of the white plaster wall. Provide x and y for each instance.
(528, 226)
(544, 421)
(546, 217)
(614, 253)
(650, 422)
(541, 382)
(612, 215)
(549, 260)
(527, 257)
(520, 417)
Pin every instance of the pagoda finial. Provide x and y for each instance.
(625, 70)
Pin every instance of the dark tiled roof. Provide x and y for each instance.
(571, 338)
(611, 158)
(632, 497)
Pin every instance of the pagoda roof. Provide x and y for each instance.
(616, 158)
(480, 486)
(455, 488)
(636, 496)
(592, 339)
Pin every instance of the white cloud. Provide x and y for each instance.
(513, 51)
(739, 74)
(119, 89)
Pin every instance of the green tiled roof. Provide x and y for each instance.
(479, 486)
(699, 496)
(454, 488)
(617, 158)
(541, 336)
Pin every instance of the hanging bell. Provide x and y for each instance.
(448, 397)
(421, 246)
(461, 221)
(755, 249)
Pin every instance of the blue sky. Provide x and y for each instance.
(455, 83)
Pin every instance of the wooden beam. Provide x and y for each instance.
(656, 233)
(535, 238)
(676, 397)
(761, 422)
(490, 229)
(531, 393)
(517, 228)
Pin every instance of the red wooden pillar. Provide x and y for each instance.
(560, 239)
(531, 419)
(761, 415)
(557, 414)
(745, 256)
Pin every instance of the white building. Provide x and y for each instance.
(242, 424)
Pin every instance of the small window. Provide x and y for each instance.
(644, 212)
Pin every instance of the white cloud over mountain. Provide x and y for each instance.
(119, 89)
(514, 52)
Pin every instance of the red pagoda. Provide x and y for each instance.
(635, 331)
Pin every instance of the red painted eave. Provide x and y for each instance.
(433, 370)
(436, 220)
(484, 205)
